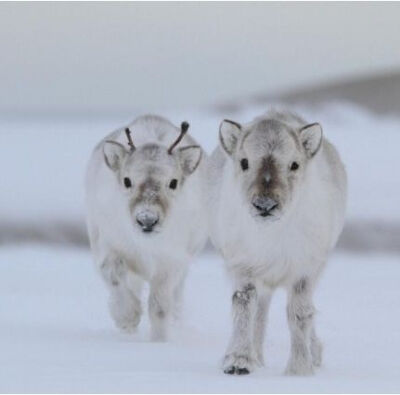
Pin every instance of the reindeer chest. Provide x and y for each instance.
(169, 250)
(275, 254)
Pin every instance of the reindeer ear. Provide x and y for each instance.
(311, 138)
(229, 133)
(189, 158)
(113, 154)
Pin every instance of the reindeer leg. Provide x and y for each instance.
(161, 303)
(316, 349)
(300, 312)
(125, 288)
(264, 300)
(239, 357)
(178, 296)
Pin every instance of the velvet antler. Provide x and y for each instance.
(129, 137)
(184, 129)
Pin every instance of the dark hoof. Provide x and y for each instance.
(237, 371)
(230, 370)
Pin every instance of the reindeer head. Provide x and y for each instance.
(270, 159)
(151, 176)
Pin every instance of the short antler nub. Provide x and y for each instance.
(184, 129)
(129, 137)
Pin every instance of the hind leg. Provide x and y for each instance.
(125, 288)
(178, 294)
(161, 305)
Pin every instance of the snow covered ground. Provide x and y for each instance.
(56, 334)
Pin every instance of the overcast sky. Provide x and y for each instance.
(118, 56)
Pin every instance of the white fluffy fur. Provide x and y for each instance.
(124, 254)
(287, 252)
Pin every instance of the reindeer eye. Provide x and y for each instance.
(244, 163)
(173, 184)
(294, 166)
(127, 182)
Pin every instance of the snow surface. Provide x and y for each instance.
(56, 334)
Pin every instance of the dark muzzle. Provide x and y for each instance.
(264, 205)
(147, 220)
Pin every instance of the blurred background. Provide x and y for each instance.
(72, 72)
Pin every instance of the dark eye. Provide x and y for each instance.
(294, 166)
(244, 163)
(127, 182)
(173, 184)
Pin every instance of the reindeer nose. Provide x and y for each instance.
(147, 220)
(264, 205)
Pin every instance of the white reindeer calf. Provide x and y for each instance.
(277, 197)
(145, 217)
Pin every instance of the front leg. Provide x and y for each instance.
(300, 312)
(125, 288)
(161, 303)
(239, 357)
(316, 349)
(263, 303)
